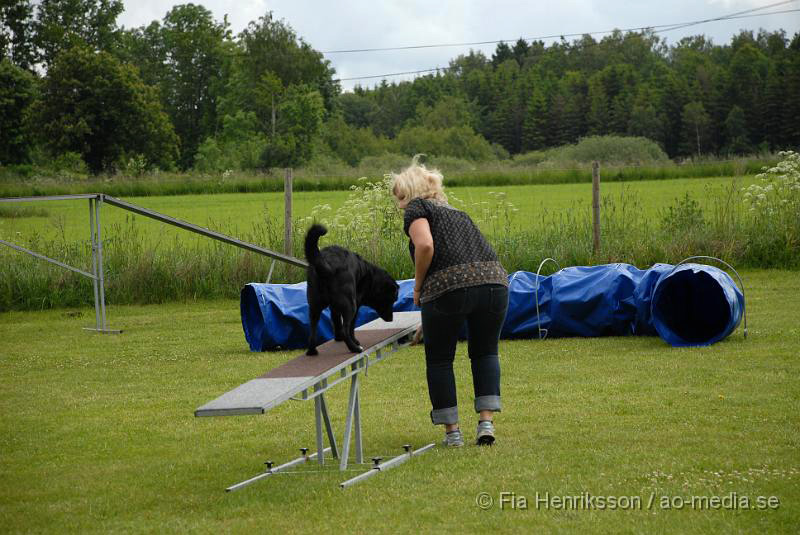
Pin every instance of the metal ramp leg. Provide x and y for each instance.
(328, 427)
(353, 414)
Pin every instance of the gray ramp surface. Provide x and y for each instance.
(303, 372)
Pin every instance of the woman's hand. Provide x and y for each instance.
(416, 296)
(417, 336)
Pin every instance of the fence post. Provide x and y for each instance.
(287, 212)
(596, 207)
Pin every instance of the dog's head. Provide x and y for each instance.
(384, 294)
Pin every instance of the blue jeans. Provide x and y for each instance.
(483, 308)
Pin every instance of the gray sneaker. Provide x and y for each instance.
(485, 435)
(453, 439)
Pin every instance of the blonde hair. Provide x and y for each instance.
(417, 181)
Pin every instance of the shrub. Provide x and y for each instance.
(459, 141)
(529, 159)
(610, 149)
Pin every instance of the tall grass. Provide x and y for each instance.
(139, 272)
(457, 173)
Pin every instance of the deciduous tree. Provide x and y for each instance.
(98, 107)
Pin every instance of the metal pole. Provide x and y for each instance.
(328, 426)
(348, 423)
(357, 418)
(97, 205)
(378, 468)
(94, 265)
(318, 421)
(596, 207)
(270, 471)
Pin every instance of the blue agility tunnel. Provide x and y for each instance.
(686, 305)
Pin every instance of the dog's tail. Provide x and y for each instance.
(312, 249)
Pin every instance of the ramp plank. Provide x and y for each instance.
(280, 384)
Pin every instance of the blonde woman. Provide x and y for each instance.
(458, 280)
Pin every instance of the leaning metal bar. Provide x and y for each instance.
(270, 471)
(93, 245)
(203, 231)
(271, 267)
(741, 284)
(56, 262)
(357, 418)
(318, 422)
(536, 291)
(348, 424)
(51, 198)
(385, 466)
(328, 426)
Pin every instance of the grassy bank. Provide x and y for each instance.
(98, 434)
(460, 173)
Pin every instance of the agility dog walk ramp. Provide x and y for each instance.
(305, 377)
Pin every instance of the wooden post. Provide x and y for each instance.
(596, 207)
(287, 212)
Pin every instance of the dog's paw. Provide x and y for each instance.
(355, 348)
(312, 352)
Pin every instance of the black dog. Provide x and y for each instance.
(344, 281)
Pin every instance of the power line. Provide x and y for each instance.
(664, 28)
(737, 15)
(667, 27)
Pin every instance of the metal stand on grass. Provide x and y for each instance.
(98, 282)
(96, 201)
(352, 429)
(96, 243)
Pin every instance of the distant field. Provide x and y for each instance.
(237, 213)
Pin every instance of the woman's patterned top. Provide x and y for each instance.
(461, 255)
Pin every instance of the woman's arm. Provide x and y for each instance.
(420, 233)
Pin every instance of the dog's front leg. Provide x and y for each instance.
(338, 332)
(314, 313)
(353, 329)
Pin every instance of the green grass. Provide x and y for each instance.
(97, 433)
(238, 212)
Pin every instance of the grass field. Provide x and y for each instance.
(237, 213)
(97, 433)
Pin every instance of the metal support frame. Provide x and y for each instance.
(98, 280)
(300, 460)
(352, 427)
(379, 467)
(97, 274)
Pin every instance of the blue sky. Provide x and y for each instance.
(335, 25)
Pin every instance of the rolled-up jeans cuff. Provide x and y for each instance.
(447, 415)
(488, 403)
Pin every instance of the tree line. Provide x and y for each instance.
(185, 92)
